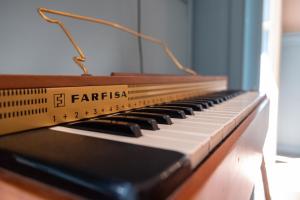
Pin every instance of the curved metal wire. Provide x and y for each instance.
(81, 58)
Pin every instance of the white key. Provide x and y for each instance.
(212, 131)
(194, 136)
(195, 150)
(228, 123)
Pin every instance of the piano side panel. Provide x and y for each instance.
(230, 172)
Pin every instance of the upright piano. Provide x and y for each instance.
(128, 136)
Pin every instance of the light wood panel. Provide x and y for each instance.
(16, 187)
(36, 81)
(291, 15)
(34, 107)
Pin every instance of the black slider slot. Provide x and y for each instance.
(108, 126)
(171, 112)
(160, 118)
(144, 123)
(186, 110)
(194, 106)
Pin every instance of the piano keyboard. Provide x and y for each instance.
(195, 136)
(145, 152)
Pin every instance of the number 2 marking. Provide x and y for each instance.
(76, 115)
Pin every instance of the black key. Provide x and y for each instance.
(214, 97)
(224, 98)
(215, 101)
(220, 97)
(186, 110)
(199, 99)
(94, 168)
(236, 93)
(209, 102)
(218, 100)
(144, 123)
(204, 104)
(160, 118)
(194, 106)
(108, 126)
(171, 112)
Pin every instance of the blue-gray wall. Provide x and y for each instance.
(252, 43)
(215, 37)
(210, 36)
(167, 20)
(227, 40)
(29, 45)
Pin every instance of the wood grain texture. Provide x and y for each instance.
(36, 81)
(229, 173)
